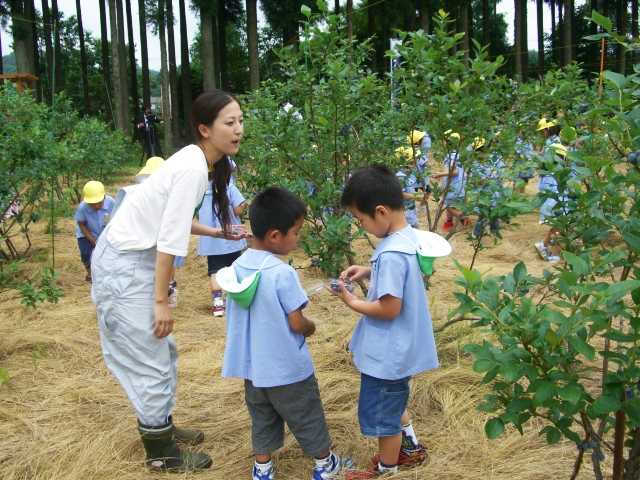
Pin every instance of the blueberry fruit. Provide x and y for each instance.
(634, 157)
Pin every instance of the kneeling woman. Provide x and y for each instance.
(131, 267)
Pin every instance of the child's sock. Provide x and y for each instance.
(264, 468)
(330, 463)
(409, 433)
(384, 468)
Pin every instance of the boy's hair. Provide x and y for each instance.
(275, 208)
(371, 186)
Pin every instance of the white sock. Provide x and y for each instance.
(386, 469)
(324, 462)
(408, 431)
(264, 467)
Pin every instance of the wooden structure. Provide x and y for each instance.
(21, 80)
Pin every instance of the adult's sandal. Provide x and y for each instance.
(164, 455)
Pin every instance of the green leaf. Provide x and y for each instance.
(617, 290)
(553, 435)
(544, 391)
(306, 11)
(632, 240)
(520, 272)
(601, 20)
(483, 365)
(604, 405)
(4, 376)
(494, 428)
(578, 265)
(571, 393)
(617, 79)
(582, 347)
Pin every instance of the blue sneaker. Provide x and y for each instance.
(263, 475)
(332, 468)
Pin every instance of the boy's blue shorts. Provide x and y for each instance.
(381, 405)
(86, 249)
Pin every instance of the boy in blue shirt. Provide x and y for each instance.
(266, 342)
(91, 217)
(394, 338)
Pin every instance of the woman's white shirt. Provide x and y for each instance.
(158, 212)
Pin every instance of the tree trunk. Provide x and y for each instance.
(133, 65)
(104, 45)
(57, 49)
(116, 70)
(22, 29)
(350, 19)
(567, 34)
(185, 70)
(122, 59)
(208, 59)
(252, 37)
(336, 6)
(525, 42)
(164, 75)
(83, 61)
(517, 39)
(221, 44)
(561, 39)
(486, 24)
(464, 27)
(48, 46)
(36, 49)
(634, 28)
(554, 43)
(1, 62)
(540, 26)
(422, 6)
(144, 55)
(621, 27)
(173, 75)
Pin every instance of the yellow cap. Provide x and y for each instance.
(415, 137)
(478, 143)
(93, 192)
(451, 135)
(543, 124)
(404, 153)
(559, 149)
(153, 164)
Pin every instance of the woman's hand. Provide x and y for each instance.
(355, 273)
(236, 232)
(164, 322)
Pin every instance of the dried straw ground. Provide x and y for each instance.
(63, 416)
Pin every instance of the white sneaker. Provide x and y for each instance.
(173, 294)
(218, 306)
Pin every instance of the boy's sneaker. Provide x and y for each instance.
(542, 250)
(332, 469)
(173, 294)
(553, 258)
(373, 472)
(218, 305)
(263, 474)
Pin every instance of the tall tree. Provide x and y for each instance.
(104, 45)
(634, 27)
(567, 35)
(525, 41)
(173, 73)
(119, 93)
(465, 26)
(185, 69)
(48, 47)
(540, 28)
(350, 20)
(486, 24)
(554, 32)
(57, 49)
(1, 61)
(336, 6)
(22, 32)
(144, 55)
(83, 60)
(164, 75)
(122, 62)
(252, 38)
(209, 79)
(422, 6)
(221, 44)
(133, 65)
(517, 37)
(621, 27)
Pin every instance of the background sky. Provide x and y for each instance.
(91, 23)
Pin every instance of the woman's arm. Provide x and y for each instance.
(163, 320)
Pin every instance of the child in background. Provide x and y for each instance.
(486, 177)
(91, 217)
(407, 176)
(394, 339)
(220, 252)
(266, 342)
(453, 182)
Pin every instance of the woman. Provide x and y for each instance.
(132, 265)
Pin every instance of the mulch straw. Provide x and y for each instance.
(62, 415)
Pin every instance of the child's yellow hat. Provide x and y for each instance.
(478, 143)
(415, 137)
(543, 124)
(93, 192)
(451, 135)
(405, 153)
(153, 164)
(559, 149)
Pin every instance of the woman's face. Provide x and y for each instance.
(224, 134)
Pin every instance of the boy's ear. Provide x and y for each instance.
(273, 235)
(380, 210)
